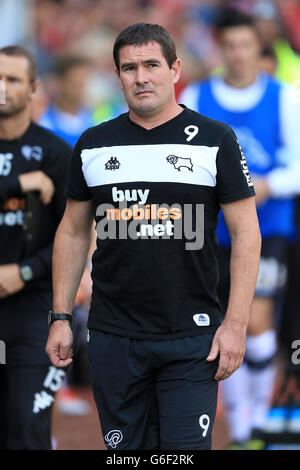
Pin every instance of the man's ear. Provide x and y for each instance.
(176, 67)
(118, 77)
(34, 86)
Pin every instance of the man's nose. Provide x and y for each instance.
(141, 76)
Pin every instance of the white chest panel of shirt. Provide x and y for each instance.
(176, 163)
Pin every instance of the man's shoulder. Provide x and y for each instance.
(102, 130)
(207, 125)
(55, 151)
(289, 96)
(283, 88)
(48, 138)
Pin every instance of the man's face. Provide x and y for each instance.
(72, 84)
(146, 79)
(241, 49)
(18, 89)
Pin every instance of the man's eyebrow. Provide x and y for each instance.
(148, 61)
(127, 64)
(156, 61)
(13, 75)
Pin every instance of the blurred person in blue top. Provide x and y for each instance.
(67, 116)
(264, 114)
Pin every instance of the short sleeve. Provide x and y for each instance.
(233, 177)
(77, 187)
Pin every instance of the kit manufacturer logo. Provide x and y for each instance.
(201, 319)
(112, 164)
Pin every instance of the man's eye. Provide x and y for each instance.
(152, 65)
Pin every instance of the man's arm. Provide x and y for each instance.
(10, 279)
(37, 181)
(15, 186)
(229, 340)
(10, 187)
(71, 246)
(283, 180)
(45, 186)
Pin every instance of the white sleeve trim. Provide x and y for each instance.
(285, 181)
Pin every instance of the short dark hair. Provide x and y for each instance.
(229, 18)
(143, 33)
(65, 63)
(20, 51)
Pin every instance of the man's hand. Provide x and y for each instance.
(38, 181)
(229, 343)
(59, 343)
(10, 280)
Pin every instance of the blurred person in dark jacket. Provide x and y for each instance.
(33, 168)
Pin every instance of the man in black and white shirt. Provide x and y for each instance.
(154, 180)
(34, 165)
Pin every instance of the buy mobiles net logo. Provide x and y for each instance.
(2, 352)
(143, 220)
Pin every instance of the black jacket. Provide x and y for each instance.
(27, 226)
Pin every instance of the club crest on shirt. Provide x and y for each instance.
(113, 438)
(29, 152)
(180, 162)
(112, 164)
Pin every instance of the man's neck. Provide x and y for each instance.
(12, 127)
(151, 121)
(241, 81)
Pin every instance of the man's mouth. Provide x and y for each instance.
(143, 92)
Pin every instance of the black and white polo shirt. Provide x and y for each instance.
(156, 197)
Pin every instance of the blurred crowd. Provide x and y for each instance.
(73, 40)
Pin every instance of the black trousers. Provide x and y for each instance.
(26, 399)
(28, 382)
(154, 394)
